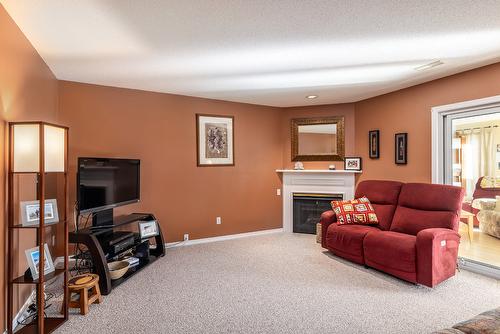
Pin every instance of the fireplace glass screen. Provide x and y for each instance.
(307, 210)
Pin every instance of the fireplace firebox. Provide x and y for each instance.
(307, 210)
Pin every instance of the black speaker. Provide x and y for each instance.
(142, 250)
(101, 218)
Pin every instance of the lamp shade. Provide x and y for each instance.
(26, 147)
(54, 148)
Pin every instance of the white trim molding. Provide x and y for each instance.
(437, 118)
(222, 238)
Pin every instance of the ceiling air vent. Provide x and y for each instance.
(429, 65)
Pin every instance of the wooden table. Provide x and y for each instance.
(470, 223)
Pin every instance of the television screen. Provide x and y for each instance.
(106, 183)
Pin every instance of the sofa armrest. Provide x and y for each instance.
(437, 252)
(327, 218)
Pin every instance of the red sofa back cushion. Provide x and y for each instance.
(383, 196)
(423, 206)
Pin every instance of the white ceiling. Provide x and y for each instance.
(271, 52)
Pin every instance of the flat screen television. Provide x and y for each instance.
(105, 183)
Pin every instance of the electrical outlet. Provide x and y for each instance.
(278, 192)
(186, 237)
(218, 220)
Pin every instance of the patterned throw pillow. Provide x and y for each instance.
(356, 211)
(490, 182)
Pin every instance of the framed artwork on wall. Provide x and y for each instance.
(352, 163)
(374, 144)
(401, 148)
(214, 140)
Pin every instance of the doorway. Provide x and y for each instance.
(466, 153)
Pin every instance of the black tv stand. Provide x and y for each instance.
(92, 238)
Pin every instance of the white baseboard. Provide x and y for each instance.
(23, 308)
(222, 238)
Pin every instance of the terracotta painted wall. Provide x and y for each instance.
(346, 110)
(160, 129)
(28, 91)
(409, 110)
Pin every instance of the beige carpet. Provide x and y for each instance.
(279, 283)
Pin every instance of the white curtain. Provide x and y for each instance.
(479, 157)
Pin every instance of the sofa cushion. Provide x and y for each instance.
(423, 206)
(383, 196)
(356, 211)
(347, 240)
(391, 250)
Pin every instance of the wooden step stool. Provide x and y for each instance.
(82, 285)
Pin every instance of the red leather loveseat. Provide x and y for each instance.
(416, 238)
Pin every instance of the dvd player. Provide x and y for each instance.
(115, 242)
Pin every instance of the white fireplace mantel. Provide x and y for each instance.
(327, 171)
(313, 181)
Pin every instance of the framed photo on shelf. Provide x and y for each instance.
(33, 257)
(352, 163)
(30, 212)
(374, 144)
(148, 229)
(401, 148)
(215, 140)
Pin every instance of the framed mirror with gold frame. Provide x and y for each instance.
(318, 139)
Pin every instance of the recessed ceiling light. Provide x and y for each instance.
(311, 96)
(429, 65)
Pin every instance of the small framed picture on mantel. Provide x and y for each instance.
(215, 140)
(352, 163)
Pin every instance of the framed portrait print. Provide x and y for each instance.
(30, 212)
(215, 140)
(352, 163)
(401, 148)
(148, 229)
(374, 144)
(33, 257)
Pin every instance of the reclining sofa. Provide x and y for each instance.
(416, 238)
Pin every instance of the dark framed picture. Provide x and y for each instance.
(352, 163)
(401, 148)
(374, 144)
(215, 140)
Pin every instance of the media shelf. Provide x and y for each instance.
(38, 226)
(92, 239)
(143, 263)
(50, 324)
(49, 276)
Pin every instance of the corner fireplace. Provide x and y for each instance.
(307, 210)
